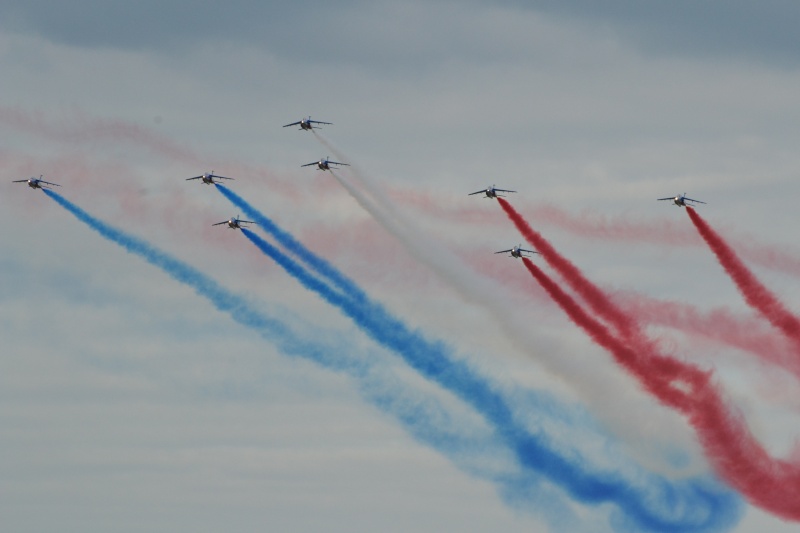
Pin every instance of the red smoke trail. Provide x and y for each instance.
(656, 373)
(736, 455)
(599, 302)
(629, 328)
(754, 292)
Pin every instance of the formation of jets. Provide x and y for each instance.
(308, 124)
(37, 183)
(234, 222)
(680, 200)
(517, 251)
(491, 192)
(208, 178)
(324, 164)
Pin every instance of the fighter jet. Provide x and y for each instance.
(491, 192)
(208, 178)
(681, 200)
(517, 251)
(307, 124)
(234, 223)
(324, 164)
(37, 183)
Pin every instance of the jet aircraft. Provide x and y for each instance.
(234, 222)
(208, 178)
(324, 164)
(307, 124)
(517, 251)
(37, 183)
(491, 192)
(681, 200)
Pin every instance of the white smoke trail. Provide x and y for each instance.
(609, 393)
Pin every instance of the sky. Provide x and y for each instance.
(131, 401)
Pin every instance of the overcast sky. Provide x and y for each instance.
(129, 402)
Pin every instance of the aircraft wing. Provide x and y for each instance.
(477, 192)
(218, 223)
(309, 164)
(689, 199)
(293, 124)
(529, 251)
(505, 251)
(194, 178)
(335, 163)
(503, 190)
(49, 183)
(670, 198)
(319, 122)
(220, 177)
(19, 181)
(247, 222)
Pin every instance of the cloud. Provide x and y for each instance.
(402, 33)
(750, 31)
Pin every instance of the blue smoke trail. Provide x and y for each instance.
(424, 355)
(464, 443)
(692, 505)
(294, 246)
